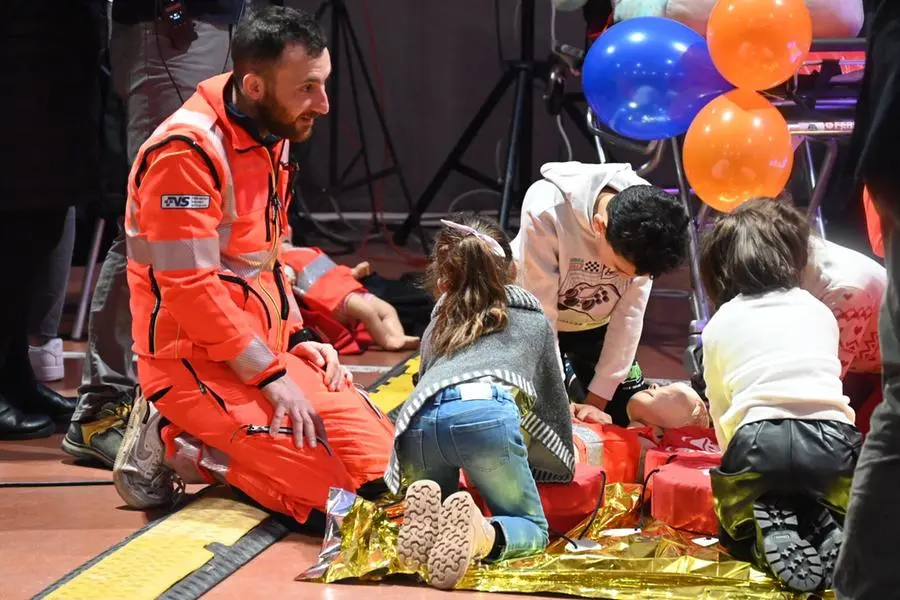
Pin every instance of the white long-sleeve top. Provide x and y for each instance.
(773, 356)
(852, 285)
(558, 261)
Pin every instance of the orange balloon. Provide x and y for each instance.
(738, 147)
(758, 44)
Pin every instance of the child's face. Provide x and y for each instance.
(674, 405)
(607, 255)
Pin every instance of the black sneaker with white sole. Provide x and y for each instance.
(792, 559)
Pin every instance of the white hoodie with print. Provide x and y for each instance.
(558, 261)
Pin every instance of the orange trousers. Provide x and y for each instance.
(215, 407)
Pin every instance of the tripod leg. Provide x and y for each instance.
(334, 92)
(360, 125)
(452, 161)
(517, 153)
(383, 123)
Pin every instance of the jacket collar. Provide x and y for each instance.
(241, 130)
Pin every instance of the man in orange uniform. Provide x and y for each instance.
(213, 316)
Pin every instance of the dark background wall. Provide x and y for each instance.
(433, 63)
(438, 61)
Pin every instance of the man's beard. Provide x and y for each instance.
(274, 119)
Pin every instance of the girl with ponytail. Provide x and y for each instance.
(489, 400)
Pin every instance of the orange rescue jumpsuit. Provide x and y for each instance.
(213, 314)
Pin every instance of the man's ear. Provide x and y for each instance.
(253, 87)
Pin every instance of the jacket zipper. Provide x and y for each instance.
(257, 429)
(269, 212)
(204, 389)
(282, 293)
(248, 289)
(154, 287)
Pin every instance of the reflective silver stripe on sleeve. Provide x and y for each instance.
(312, 272)
(252, 361)
(174, 255)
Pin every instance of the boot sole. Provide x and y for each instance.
(451, 554)
(43, 432)
(420, 524)
(792, 559)
(826, 536)
(132, 429)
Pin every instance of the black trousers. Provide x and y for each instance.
(27, 237)
(867, 568)
(582, 351)
(808, 462)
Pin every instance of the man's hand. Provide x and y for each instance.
(589, 414)
(595, 400)
(289, 400)
(381, 319)
(325, 357)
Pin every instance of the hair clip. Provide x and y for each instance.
(493, 244)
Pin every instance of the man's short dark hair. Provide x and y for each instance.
(261, 37)
(761, 246)
(648, 227)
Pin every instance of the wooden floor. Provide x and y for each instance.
(45, 532)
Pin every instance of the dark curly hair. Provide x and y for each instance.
(761, 246)
(263, 34)
(648, 227)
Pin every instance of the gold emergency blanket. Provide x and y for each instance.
(612, 559)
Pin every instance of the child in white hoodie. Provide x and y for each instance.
(591, 240)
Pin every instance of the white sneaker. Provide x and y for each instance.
(464, 537)
(141, 475)
(47, 360)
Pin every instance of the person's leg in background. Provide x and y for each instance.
(29, 236)
(45, 347)
(867, 565)
(153, 78)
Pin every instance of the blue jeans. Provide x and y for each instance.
(476, 427)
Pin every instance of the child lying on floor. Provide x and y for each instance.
(773, 379)
(489, 400)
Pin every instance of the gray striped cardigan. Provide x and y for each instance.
(524, 355)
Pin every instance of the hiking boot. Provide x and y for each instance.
(825, 535)
(790, 558)
(464, 536)
(99, 440)
(140, 473)
(421, 520)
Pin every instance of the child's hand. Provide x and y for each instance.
(589, 414)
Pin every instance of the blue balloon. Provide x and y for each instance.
(647, 78)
